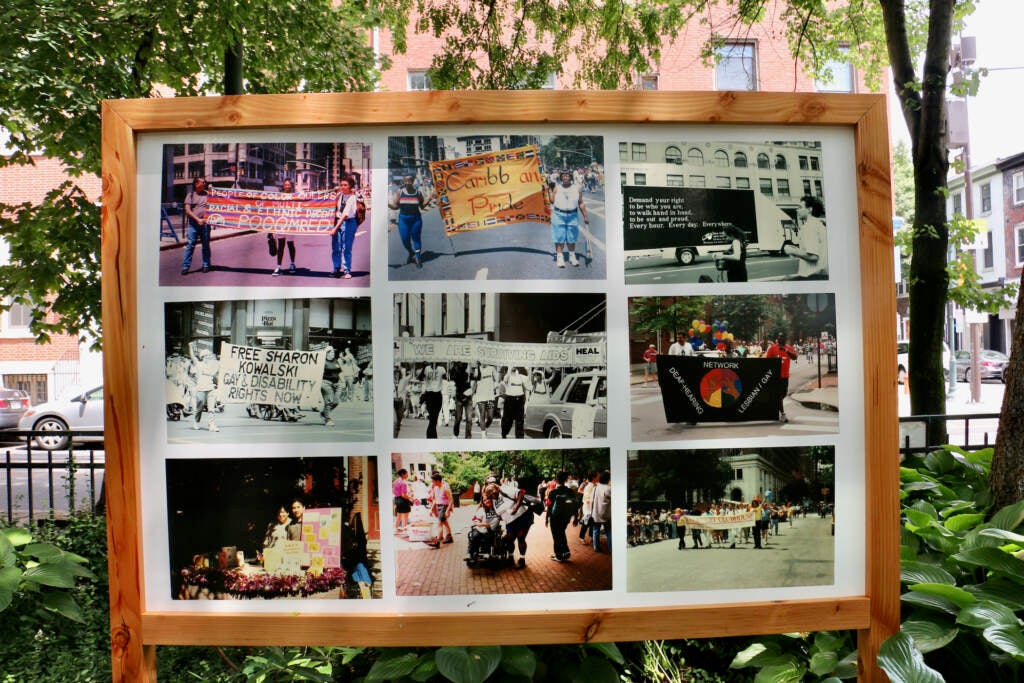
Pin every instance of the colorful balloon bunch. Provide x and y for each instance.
(717, 331)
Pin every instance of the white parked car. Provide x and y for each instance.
(80, 410)
(902, 364)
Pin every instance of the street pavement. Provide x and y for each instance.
(423, 570)
(801, 555)
(353, 422)
(648, 414)
(242, 258)
(661, 270)
(521, 251)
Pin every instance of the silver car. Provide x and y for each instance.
(13, 404)
(577, 408)
(80, 411)
(992, 364)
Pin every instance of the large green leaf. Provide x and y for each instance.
(919, 519)
(1009, 639)
(790, 672)
(828, 641)
(391, 666)
(981, 615)
(10, 577)
(964, 522)
(62, 603)
(50, 575)
(6, 597)
(1010, 517)
(939, 538)
(958, 596)
(847, 667)
(1004, 535)
(44, 552)
(610, 651)
(941, 462)
(903, 662)
(929, 634)
(957, 507)
(977, 538)
(16, 536)
(518, 660)
(932, 602)
(999, 590)
(823, 662)
(467, 664)
(744, 657)
(909, 475)
(598, 670)
(922, 572)
(995, 560)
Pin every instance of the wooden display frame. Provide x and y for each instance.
(136, 630)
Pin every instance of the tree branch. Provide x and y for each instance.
(902, 65)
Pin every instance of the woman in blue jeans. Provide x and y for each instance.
(408, 201)
(344, 233)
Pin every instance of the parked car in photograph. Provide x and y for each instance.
(992, 363)
(13, 404)
(80, 410)
(578, 408)
(902, 351)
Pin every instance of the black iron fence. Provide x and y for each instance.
(970, 432)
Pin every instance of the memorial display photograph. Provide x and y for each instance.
(723, 211)
(500, 522)
(286, 214)
(488, 365)
(734, 366)
(730, 518)
(268, 528)
(269, 370)
(487, 206)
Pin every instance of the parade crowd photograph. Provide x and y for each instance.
(733, 366)
(471, 365)
(280, 213)
(496, 207)
(730, 518)
(723, 211)
(500, 522)
(269, 370)
(268, 528)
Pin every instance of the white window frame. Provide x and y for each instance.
(985, 197)
(11, 330)
(844, 78)
(1018, 243)
(1018, 188)
(418, 74)
(735, 61)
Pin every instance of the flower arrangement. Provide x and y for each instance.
(240, 583)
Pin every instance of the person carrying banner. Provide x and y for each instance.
(433, 383)
(780, 349)
(287, 187)
(517, 384)
(344, 233)
(566, 205)
(734, 261)
(195, 211)
(463, 396)
(408, 201)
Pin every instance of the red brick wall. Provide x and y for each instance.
(1013, 215)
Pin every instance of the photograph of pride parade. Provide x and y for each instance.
(723, 211)
(266, 528)
(479, 365)
(708, 367)
(269, 370)
(499, 522)
(495, 206)
(766, 515)
(287, 214)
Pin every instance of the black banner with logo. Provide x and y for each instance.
(709, 389)
(660, 217)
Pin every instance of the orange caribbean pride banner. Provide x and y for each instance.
(491, 189)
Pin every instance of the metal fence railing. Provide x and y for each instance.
(970, 432)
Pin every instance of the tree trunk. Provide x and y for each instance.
(1006, 481)
(233, 69)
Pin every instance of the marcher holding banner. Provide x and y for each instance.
(567, 204)
(408, 201)
(780, 349)
(344, 233)
(198, 229)
(287, 187)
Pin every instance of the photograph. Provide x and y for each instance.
(283, 214)
(778, 501)
(497, 522)
(485, 365)
(496, 207)
(269, 370)
(723, 211)
(268, 528)
(705, 367)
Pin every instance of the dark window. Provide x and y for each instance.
(673, 155)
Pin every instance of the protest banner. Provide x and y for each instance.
(711, 389)
(277, 212)
(720, 522)
(445, 350)
(287, 379)
(489, 190)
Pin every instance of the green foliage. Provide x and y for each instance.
(903, 182)
(801, 657)
(39, 572)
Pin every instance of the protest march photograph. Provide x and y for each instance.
(288, 214)
(269, 370)
(729, 366)
(723, 211)
(496, 522)
(730, 518)
(494, 206)
(267, 528)
(478, 365)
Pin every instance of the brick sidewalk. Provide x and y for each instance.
(426, 571)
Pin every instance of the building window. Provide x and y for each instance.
(673, 180)
(817, 189)
(802, 163)
(639, 178)
(1018, 237)
(696, 181)
(738, 475)
(839, 76)
(780, 162)
(986, 198)
(695, 157)
(15, 320)
(419, 79)
(623, 151)
(783, 187)
(987, 256)
(673, 155)
(723, 181)
(736, 68)
(958, 204)
(33, 385)
(622, 178)
(807, 187)
(649, 82)
(815, 164)
(739, 160)
(743, 183)
(479, 145)
(766, 187)
(1018, 188)
(762, 161)
(721, 158)
(639, 151)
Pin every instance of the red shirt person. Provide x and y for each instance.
(650, 363)
(780, 349)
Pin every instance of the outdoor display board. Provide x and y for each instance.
(345, 333)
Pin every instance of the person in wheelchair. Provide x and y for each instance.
(485, 532)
